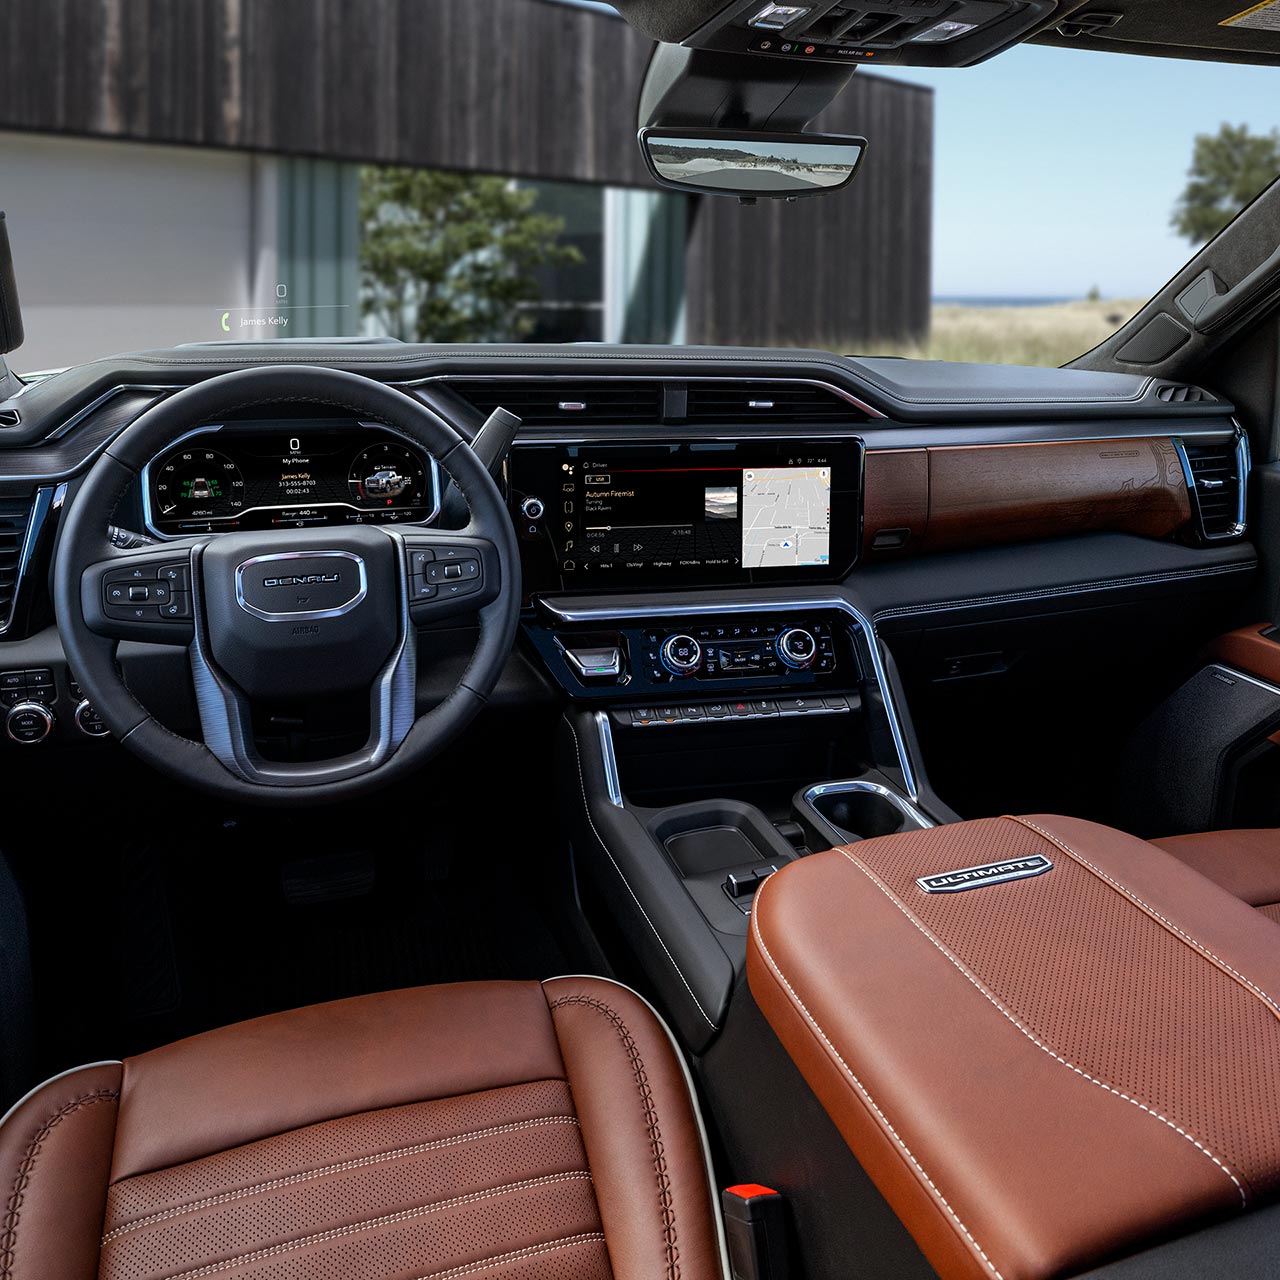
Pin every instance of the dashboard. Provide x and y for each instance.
(287, 474)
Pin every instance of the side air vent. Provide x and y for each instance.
(551, 403)
(775, 402)
(1176, 393)
(1217, 484)
(14, 517)
(10, 418)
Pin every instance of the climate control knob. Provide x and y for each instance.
(681, 654)
(28, 723)
(797, 647)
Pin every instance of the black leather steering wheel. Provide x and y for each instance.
(300, 614)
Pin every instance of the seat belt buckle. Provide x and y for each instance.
(755, 1229)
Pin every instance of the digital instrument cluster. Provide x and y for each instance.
(288, 475)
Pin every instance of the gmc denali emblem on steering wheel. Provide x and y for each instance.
(318, 588)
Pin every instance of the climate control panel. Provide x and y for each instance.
(730, 651)
(703, 655)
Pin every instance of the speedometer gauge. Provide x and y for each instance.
(198, 484)
(387, 475)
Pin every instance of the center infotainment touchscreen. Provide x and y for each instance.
(692, 512)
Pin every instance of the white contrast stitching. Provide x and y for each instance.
(861, 1088)
(342, 1166)
(1142, 1106)
(470, 1268)
(388, 1219)
(577, 751)
(1150, 910)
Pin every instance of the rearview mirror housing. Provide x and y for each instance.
(751, 165)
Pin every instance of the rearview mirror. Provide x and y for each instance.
(750, 165)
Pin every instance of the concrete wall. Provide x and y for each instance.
(121, 245)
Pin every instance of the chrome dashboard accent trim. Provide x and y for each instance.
(79, 416)
(607, 754)
(433, 467)
(1073, 589)
(42, 502)
(845, 786)
(304, 615)
(647, 377)
(712, 606)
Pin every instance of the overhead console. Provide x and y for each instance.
(934, 33)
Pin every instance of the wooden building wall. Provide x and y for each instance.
(521, 87)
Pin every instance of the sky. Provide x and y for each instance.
(1057, 170)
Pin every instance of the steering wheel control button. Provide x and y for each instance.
(421, 589)
(89, 722)
(178, 576)
(420, 558)
(177, 607)
(29, 723)
(133, 612)
(300, 586)
(681, 654)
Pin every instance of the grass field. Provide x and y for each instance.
(1043, 335)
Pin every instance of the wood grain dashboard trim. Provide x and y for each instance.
(946, 498)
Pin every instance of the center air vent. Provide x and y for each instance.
(775, 402)
(1216, 482)
(549, 402)
(14, 516)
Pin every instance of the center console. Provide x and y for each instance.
(729, 710)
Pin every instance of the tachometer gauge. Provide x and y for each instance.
(198, 484)
(388, 475)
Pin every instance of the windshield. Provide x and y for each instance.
(1016, 212)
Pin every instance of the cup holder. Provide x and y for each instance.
(857, 810)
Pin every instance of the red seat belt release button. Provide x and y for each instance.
(756, 1231)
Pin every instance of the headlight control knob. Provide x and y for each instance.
(29, 723)
(681, 654)
(89, 722)
(797, 647)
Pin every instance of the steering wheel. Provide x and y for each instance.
(298, 614)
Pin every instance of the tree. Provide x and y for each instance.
(1228, 169)
(450, 257)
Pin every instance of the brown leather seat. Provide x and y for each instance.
(1047, 1042)
(483, 1129)
(1245, 863)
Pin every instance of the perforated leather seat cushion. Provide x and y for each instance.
(499, 1129)
(1042, 1073)
(1245, 863)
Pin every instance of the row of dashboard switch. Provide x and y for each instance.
(30, 696)
(737, 709)
(26, 686)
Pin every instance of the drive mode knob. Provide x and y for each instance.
(797, 647)
(681, 654)
(29, 722)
